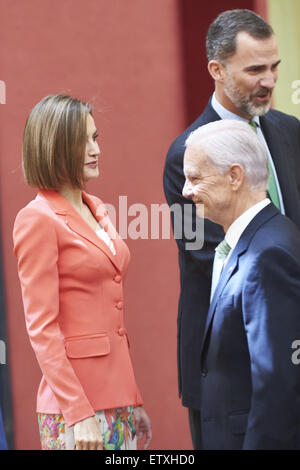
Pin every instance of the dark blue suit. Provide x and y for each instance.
(282, 133)
(3, 444)
(250, 388)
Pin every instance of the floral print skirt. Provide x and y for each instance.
(116, 425)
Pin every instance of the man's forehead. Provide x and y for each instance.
(256, 50)
(194, 160)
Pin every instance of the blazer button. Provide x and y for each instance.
(204, 372)
(117, 278)
(119, 305)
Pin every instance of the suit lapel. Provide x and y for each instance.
(232, 266)
(226, 274)
(279, 148)
(78, 225)
(209, 114)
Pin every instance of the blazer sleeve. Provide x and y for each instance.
(36, 249)
(272, 324)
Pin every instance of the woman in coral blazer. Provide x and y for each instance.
(71, 264)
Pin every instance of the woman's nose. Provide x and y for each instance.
(95, 150)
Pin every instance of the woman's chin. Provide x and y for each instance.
(90, 176)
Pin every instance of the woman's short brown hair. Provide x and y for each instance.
(54, 142)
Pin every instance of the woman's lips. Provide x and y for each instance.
(92, 164)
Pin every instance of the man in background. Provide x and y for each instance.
(243, 62)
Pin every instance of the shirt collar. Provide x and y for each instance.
(236, 229)
(226, 114)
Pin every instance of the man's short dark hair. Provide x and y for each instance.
(222, 33)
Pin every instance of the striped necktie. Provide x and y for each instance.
(221, 254)
(272, 188)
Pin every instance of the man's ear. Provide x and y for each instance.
(236, 176)
(216, 70)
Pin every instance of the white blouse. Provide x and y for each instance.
(106, 238)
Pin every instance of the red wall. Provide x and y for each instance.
(134, 59)
(126, 56)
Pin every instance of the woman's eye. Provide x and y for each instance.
(94, 138)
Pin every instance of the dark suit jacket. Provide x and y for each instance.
(282, 133)
(3, 444)
(250, 393)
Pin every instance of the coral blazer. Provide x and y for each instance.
(72, 289)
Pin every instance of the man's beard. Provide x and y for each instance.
(243, 103)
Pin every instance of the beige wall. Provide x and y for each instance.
(284, 16)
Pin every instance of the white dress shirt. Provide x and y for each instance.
(236, 229)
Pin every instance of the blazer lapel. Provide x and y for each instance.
(78, 225)
(232, 266)
(101, 215)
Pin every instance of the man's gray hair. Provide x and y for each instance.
(227, 142)
(222, 33)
